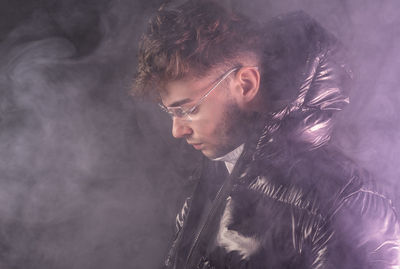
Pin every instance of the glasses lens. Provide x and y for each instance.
(166, 110)
(177, 112)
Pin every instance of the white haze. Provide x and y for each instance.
(90, 178)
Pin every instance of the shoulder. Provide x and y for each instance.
(335, 210)
(340, 202)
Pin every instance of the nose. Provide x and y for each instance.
(180, 128)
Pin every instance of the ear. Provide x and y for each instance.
(248, 79)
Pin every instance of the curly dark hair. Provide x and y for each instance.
(191, 39)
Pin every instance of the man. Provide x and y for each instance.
(262, 100)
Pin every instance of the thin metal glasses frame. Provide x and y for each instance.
(179, 112)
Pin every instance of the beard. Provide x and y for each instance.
(234, 129)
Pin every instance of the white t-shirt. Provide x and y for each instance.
(231, 158)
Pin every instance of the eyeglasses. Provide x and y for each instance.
(179, 112)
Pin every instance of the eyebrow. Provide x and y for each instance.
(180, 102)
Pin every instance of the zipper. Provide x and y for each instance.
(219, 199)
(214, 208)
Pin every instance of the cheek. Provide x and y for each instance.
(213, 120)
(205, 128)
(214, 129)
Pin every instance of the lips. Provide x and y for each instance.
(197, 145)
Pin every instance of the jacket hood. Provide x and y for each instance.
(307, 78)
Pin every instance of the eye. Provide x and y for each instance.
(193, 110)
(179, 112)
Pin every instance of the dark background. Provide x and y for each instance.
(90, 177)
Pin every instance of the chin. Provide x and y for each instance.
(209, 154)
(212, 154)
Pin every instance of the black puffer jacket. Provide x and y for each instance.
(292, 200)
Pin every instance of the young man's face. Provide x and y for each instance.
(217, 125)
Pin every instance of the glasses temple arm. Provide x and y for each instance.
(213, 88)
